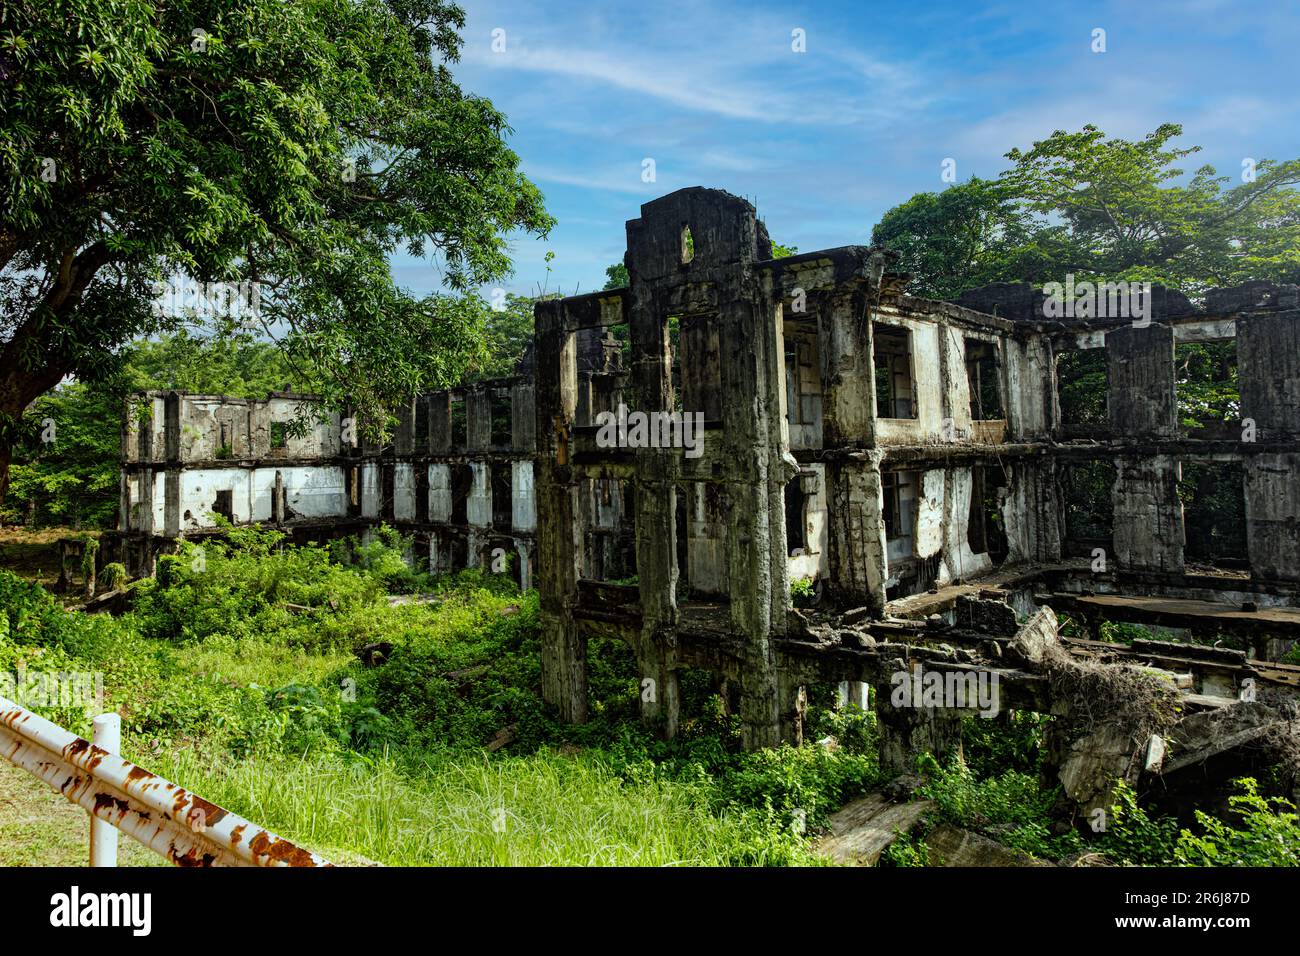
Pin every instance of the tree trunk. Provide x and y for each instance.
(6, 455)
(38, 355)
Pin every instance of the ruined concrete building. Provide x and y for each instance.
(913, 460)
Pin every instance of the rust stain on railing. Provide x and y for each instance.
(178, 825)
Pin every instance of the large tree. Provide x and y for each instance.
(297, 144)
(1095, 206)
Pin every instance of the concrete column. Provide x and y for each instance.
(1148, 525)
(656, 519)
(848, 374)
(856, 532)
(794, 705)
(1141, 398)
(564, 649)
(1273, 516)
(1268, 361)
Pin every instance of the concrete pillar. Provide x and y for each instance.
(1268, 362)
(856, 532)
(1141, 397)
(794, 706)
(1148, 524)
(1273, 516)
(277, 499)
(564, 649)
(854, 693)
(656, 520)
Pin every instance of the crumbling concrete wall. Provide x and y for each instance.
(1273, 516)
(1148, 529)
(284, 461)
(1142, 399)
(1029, 387)
(928, 397)
(1268, 353)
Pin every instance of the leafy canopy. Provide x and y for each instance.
(293, 143)
(1093, 205)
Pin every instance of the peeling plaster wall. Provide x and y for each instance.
(439, 492)
(404, 491)
(706, 542)
(478, 510)
(523, 506)
(159, 500)
(956, 399)
(317, 492)
(815, 561)
(900, 547)
(1029, 387)
(199, 487)
(370, 490)
(1148, 528)
(1030, 514)
(927, 389)
(1142, 400)
(959, 561)
(930, 514)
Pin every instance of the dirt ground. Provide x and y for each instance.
(38, 827)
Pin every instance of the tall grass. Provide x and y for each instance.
(541, 810)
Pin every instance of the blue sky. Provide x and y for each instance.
(825, 141)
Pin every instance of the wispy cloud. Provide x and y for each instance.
(748, 74)
(827, 140)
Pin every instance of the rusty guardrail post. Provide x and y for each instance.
(170, 820)
(103, 835)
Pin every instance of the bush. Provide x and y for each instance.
(802, 592)
(113, 576)
(1271, 837)
(1132, 837)
(1009, 807)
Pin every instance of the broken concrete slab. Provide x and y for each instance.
(950, 845)
(861, 830)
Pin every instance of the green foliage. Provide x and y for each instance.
(508, 334)
(853, 729)
(616, 277)
(1083, 380)
(966, 236)
(1214, 511)
(1101, 207)
(802, 592)
(1011, 741)
(1206, 382)
(1011, 807)
(1134, 838)
(296, 143)
(231, 684)
(470, 810)
(113, 576)
(1121, 632)
(89, 552)
(1271, 836)
(906, 850)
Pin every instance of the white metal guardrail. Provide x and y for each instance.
(176, 824)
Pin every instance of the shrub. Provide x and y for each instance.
(113, 576)
(1133, 837)
(1271, 836)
